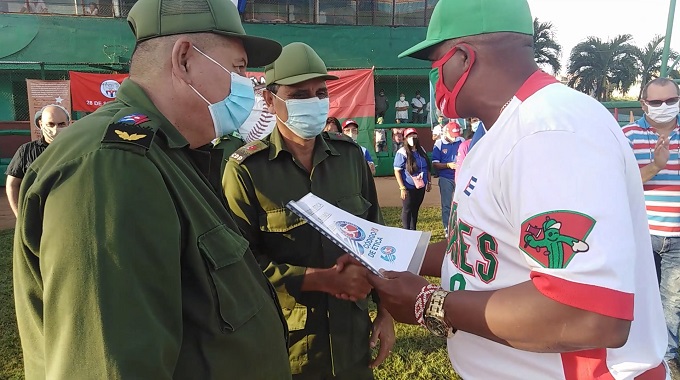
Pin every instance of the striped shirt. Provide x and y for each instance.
(662, 192)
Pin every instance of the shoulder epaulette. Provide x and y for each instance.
(129, 126)
(336, 136)
(248, 150)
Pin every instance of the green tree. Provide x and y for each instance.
(547, 51)
(649, 61)
(599, 67)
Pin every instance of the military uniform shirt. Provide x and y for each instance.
(260, 179)
(128, 265)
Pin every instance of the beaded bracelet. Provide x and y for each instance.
(422, 300)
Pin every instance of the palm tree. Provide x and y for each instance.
(598, 68)
(547, 51)
(649, 61)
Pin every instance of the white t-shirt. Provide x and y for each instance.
(401, 114)
(417, 103)
(542, 169)
(437, 130)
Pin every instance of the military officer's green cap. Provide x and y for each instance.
(463, 18)
(297, 63)
(156, 18)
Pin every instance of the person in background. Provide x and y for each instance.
(333, 125)
(479, 131)
(438, 129)
(93, 10)
(401, 106)
(412, 171)
(463, 150)
(655, 139)
(444, 160)
(351, 128)
(381, 104)
(418, 109)
(397, 139)
(380, 137)
(51, 120)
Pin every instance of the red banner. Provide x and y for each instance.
(91, 91)
(351, 96)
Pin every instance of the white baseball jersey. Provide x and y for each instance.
(552, 194)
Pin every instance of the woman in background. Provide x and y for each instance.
(412, 170)
(333, 125)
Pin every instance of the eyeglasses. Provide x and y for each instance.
(658, 103)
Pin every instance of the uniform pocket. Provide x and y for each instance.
(279, 220)
(238, 293)
(354, 204)
(296, 317)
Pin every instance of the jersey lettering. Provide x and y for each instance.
(458, 250)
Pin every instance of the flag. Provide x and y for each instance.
(91, 91)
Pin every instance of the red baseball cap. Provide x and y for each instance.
(347, 122)
(453, 128)
(410, 131)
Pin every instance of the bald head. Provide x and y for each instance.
(53, 119)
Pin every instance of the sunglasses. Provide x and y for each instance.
(658, 103)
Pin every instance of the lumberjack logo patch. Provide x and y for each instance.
(553, 238)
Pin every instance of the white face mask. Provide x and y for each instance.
(411, 141)
(663, 113)
(474, 126)
(402, 98)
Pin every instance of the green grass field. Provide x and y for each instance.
(416, 355)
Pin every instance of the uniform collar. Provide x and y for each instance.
(321, 148)
(133, 95)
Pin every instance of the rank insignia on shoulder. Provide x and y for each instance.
(129, 132)
(248, 150)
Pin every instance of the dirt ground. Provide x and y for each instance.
(388, 196)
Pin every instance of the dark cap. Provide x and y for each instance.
(157, 18)
(297, 63)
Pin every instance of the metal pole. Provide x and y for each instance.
(667, 40)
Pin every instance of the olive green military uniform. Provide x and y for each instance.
(128, 265)
(228, 145)
(327, 335)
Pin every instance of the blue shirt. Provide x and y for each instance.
(479, 133)
(367, 155)
(445, 152)
(400, 163)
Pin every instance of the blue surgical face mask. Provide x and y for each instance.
(306, 117)
(229, 114)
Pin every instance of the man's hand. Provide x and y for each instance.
(398, 292)
(350, 282)
(662, 152)
(452, 165)
(383, 332)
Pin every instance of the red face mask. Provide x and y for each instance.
(446, 100)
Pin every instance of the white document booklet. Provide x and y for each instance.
(374, 245)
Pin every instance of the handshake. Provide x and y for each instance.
(347, 280)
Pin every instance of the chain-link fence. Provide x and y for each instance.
(341, 12)
(334, 12)
(93, 8)
(13, 90)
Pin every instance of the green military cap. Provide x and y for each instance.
(463, 18)
(297, 63)
(156, 18)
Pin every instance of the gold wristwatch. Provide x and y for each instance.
(434, 315)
